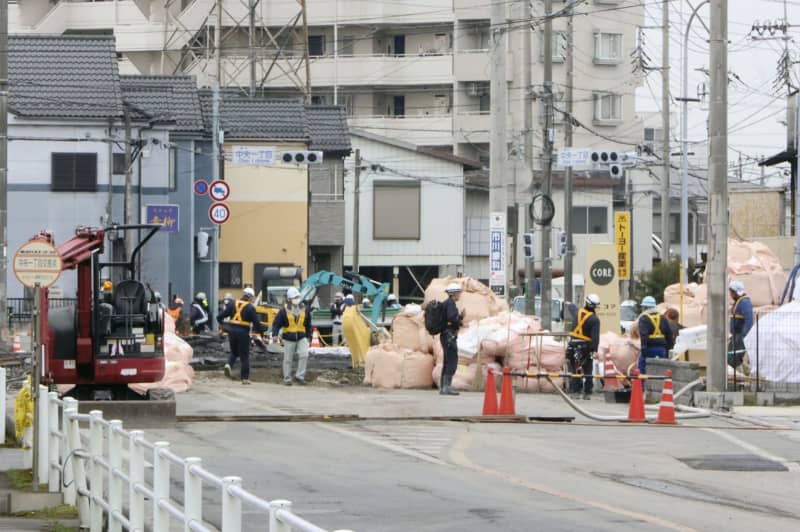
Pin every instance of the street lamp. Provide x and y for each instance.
(685, 148)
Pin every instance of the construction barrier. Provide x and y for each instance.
(636, 407)
(108, 482)
(507, 395)
(490, 407)
(666, 411)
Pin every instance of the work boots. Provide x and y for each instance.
(447, 388)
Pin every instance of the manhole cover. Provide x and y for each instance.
(732, 462)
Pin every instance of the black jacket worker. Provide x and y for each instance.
(242, 316)
(584, 340)
(655, 332)
(449, 339)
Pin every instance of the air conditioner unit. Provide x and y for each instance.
(472, 89)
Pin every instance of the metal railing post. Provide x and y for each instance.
(78, 469)
(54, 478)
(192, 493)
(275, 524)
(136, 476)
(231, 506)
(160, 487)
(68, 486)
(114, 468)
(3, 398)
(96, 474)
(43, 445)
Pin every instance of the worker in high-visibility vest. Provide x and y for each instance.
(242, 316)
(583, 342)
(655, 332)
(740, 324)
(292, 325)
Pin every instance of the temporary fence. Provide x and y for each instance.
(774, 363)
(103, 474)
(20, 309)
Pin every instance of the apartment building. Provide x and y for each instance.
(417, 71)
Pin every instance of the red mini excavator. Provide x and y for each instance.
(109, 339)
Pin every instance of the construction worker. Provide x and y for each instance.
(222, 322)
(295, 323)
(673, 317)
(391, 302)
(655, 333)
(337, 308)
(740, 323)
(584, 340)
(349, 300)
(175, 308)
(242, 316)
(449, 338)
(198, 316)
(365, 303)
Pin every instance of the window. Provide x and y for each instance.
(675, 227)
(607, 106)
(590, 220)
(230, 274)
(559, 46)
(346, 45)
(316, 45)
(119, 164)
(319, 99)
(74, 172)
(173, 170)
(477, 236)
(396, 210)
(608, 48)
(398, 106)
(653, 137)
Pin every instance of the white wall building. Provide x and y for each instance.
(419, 71)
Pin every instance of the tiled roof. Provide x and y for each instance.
(328, 128)
(165, 98)
(245, 118)
(59, 76)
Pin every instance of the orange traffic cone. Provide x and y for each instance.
(610, 371)
(507, 395)
(17, 346)
(490, 396)
(666, 411)
(315, 338)
(636, 410)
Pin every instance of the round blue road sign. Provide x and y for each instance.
(201, 187)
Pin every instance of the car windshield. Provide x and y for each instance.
(627, 313)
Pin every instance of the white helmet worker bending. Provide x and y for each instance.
(249, 292)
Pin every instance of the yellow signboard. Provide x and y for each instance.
(601, 279)
(622, 232)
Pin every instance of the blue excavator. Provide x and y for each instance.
(352, 282)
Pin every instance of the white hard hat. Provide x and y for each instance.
(453, 287)
(349, 297)
(593, 300)
(339, 295)
(390, 297)
(737, 287)
(292, 293)
(249, 292)
(201, 295)
(365, 300)
(228, 297)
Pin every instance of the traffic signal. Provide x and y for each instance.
(527, 245)
(203, 241)
(562, 243)
(615, 170)
(302, 157)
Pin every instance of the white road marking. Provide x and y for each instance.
(380, 442)
(794, 467)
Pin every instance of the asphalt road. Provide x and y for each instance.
(446, 476)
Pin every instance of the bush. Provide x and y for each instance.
(654, 282)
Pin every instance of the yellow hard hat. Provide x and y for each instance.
(108, 286)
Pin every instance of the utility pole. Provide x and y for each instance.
(718, 197)
(3, 170)
(547, 161)
(251, 48)
(527, 88)
(666, 203)
(305, 52)
(498, 149)
(568, 170)
(356, 208)
(215, 153)
(128, 181)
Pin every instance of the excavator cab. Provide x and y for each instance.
(109, 339)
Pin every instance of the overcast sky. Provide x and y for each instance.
(756, 108)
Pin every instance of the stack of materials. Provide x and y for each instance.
(178, 374)
(491, 338)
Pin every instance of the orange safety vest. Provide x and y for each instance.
(655, 318)
(237, 315)
(296, 325)
(577, 332)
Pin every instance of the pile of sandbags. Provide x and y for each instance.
(390, 366)
(476, 298)
(178, 374)
(408, 330)
(624, 351)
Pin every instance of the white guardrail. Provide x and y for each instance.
(106, 480)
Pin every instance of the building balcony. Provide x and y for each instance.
(42, 17)
(472, 127)
(371, 70)
(423, 130)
